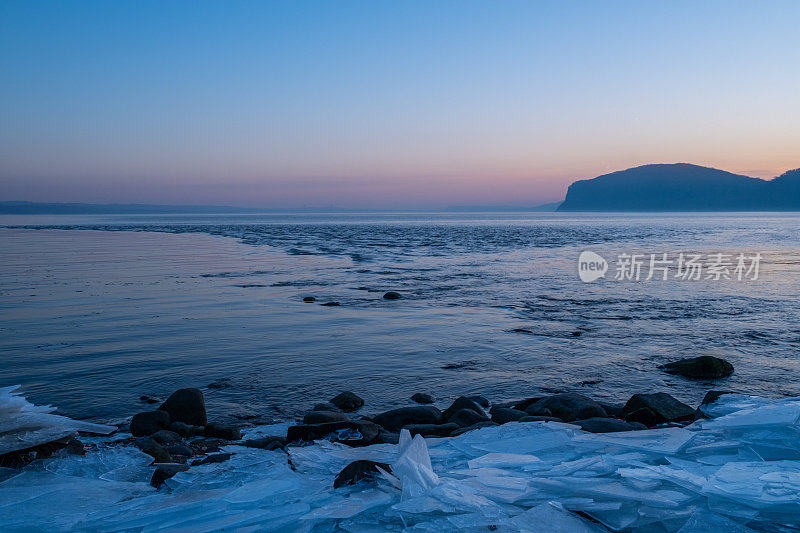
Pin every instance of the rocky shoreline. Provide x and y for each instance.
(178, 434)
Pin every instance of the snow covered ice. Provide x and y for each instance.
(737, 471)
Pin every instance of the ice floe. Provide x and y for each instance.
(738, 471)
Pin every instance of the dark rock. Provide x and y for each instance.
(479, 425)
(713, 395)
(535, 410)
(147, 423)
(347, 402)
(207, 445)
(324, 406)
(75, 447)
(391, 295)
(216, 458)
(352, 432)
(664, 408)
(331, 304)
(322, 417)
(468, 417)
(165, 436)
(480, 400)
(153, 449)
(359, 471)
(462, 402)
(179, 450)
(703, 367)
(537, 418)
(568, 406)
(607, 425)
(577, 333)
(309, 299)
(185, 430)
(221, 383)
(223, 431)
(150, 399)
(397, 418)
(387, 437)
(613, 410)
(266, 443)
(523, 405)
(187, 406)
(165, 471)
(432, 430)
(503, 415)
(421, 397)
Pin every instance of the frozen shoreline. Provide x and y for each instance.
(739, 469)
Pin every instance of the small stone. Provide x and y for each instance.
(421, 397)
(266, 443)
(187, 406)
(165, 436)
(703, 367)
(185, 430)
(153, 449)
(165, 471)
(395, 419)
(323, 417)
(150, 399)
(462, 402)
(357, 471)
(331, 304)
(223, 431)
(503, 415)
(324, 406)
(147, 423)
(568, 406)
(216, 458)
(468, 417)
(309, 299)
(347, 401)
(432, 430)
(206, 445)
(391, 295)
(607, 425)
(714, 395)
(179, 450)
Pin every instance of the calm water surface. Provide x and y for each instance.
(98, 310)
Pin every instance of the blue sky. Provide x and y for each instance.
(385, 104)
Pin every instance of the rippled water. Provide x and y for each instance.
(491, 304)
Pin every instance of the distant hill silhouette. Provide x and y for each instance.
(683, 187)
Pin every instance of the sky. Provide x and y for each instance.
(379, 104)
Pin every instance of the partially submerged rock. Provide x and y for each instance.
(396, 419)
(703, 367)
(568, 407)
(147, 423)
(421, 397)
(322, 417)
(503, 415)
(607, 425)
(187, 406)
(391, 295)
(359, 471)
(656, 408)
(347, 401)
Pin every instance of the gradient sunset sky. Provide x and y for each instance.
(385, 104)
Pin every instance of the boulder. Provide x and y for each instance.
(613, 410)
(395, 419)
(347, 402)
(387, 437)
(391, 295)
(266, 443)
(352, 432)
(187, 406)
(223, 431)
(703, 367)
(207, 445)
(468, 417)
(462, 402)
(536, 418)
(165, 436)
(185, 430)
(322, 417)
(179, 450)
(607, 425)
(568, 406)
(147, 423)
(216, 458)
(480, 400)
(503, 415)
(357, 471)
(664, 408)
(535, 410)
(324, 406)
(523, 405)
(165, 471)
(153, 449)
(432, 430)
(479, 425)
(713, 395)
(421, 397)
